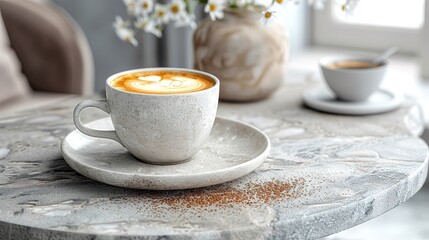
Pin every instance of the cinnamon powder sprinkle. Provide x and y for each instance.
(251, 194)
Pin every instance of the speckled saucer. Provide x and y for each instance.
(322, 99)
(233, 150)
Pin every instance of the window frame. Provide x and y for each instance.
(329, 31)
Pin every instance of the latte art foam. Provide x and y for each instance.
(165, 82)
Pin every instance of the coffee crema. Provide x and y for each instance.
(162, 82)
(352, 64)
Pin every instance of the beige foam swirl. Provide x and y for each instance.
(162, 84)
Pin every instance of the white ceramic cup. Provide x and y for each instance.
(156, 128)
(353, 85)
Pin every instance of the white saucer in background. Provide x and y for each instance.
(322, 99)
(233, 150)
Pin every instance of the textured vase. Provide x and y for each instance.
(247, 57)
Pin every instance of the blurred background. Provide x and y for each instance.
(374, 26)
(74, 40)
(174, 49)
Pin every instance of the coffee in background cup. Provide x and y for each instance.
(352, 64)
(161, 115)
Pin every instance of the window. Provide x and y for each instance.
(385, 13)
(375, 24)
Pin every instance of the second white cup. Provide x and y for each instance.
(352, 84)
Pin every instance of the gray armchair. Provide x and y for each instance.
(53, 51)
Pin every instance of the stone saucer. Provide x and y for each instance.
(322, 99)
(233, 150)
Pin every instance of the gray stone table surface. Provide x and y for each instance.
(325, 173)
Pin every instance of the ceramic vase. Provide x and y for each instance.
(248, 57)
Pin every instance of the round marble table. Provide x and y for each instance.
(325, 173)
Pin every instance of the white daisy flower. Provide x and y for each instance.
(131, 7)
(141, 22)
(120, 23)
(152, 27)
(281, 2)
(161, 14)
(176, 9)
(267, 17)
(123, 32)
(127, 35)
(215, 9)
(144, 7)
(186, 20)
(348, 6)
(149, 26)
(317, 4)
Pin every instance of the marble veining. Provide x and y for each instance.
(325, 173)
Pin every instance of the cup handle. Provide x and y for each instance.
(100, 104)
